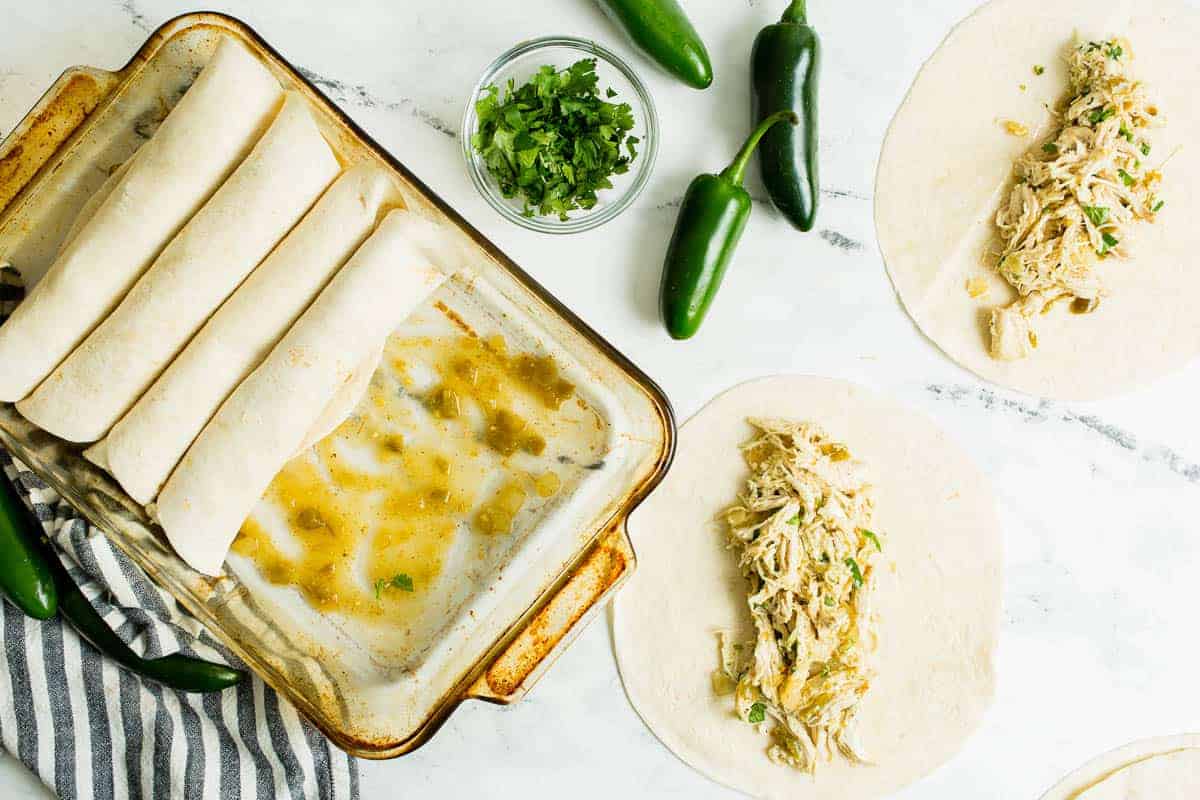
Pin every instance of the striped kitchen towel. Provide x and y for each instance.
(90, 729)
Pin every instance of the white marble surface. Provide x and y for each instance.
(1099, 501)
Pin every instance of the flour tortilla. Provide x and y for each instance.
(235, 230)
(198, 145)
(1149, 769)
(344, 401)
(336, 411)
(1171, 776)
(946, 164)
(146, 444)
(938, 594)
(93, 203)
(267, 418)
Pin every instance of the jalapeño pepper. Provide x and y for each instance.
(711, 220)
(663, 31)
(25, 577)
(176, 671)
(54, 590)
(785, 66)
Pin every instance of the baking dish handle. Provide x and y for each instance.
(48, 126)
(559, 619)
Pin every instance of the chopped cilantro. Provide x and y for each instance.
(1157, 206)
(871, 535)
(758, 712)
(1126, 134)
(829, 600)
(1097, 214)
(1038, 69)
(1145, 148)
(1051, 148)
(1114, 51)
(1110, 242)
(1098, 115)
(1126, 178)
(855, 572)
(553, 141)
(398, 581)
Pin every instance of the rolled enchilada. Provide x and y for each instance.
(239, 225)
(146, 444)
(201, 141)
(266, 419)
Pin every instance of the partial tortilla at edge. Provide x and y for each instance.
(1097, 771)
(1167, 776)
(938, 594)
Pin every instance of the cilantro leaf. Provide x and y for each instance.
(758, 712)
(1050, 148)
(1126, 178)
(398, 581)
(1098, 115)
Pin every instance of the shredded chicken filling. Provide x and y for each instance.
(1076, 196)
(802, 531)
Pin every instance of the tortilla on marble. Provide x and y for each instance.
(270, 414)
(1132, 768)
(235, 230)
(198, 145)
(1169, 776)
(937, 595)
(946, 164)
(145, 445)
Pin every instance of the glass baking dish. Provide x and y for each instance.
(500, 617)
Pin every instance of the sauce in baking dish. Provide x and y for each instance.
(369, 516)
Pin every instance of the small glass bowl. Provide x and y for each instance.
(520, 63)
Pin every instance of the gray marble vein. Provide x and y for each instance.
(356, 94)
(676, 202)
(139, 19)
(1040, 411)
(840, 240)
